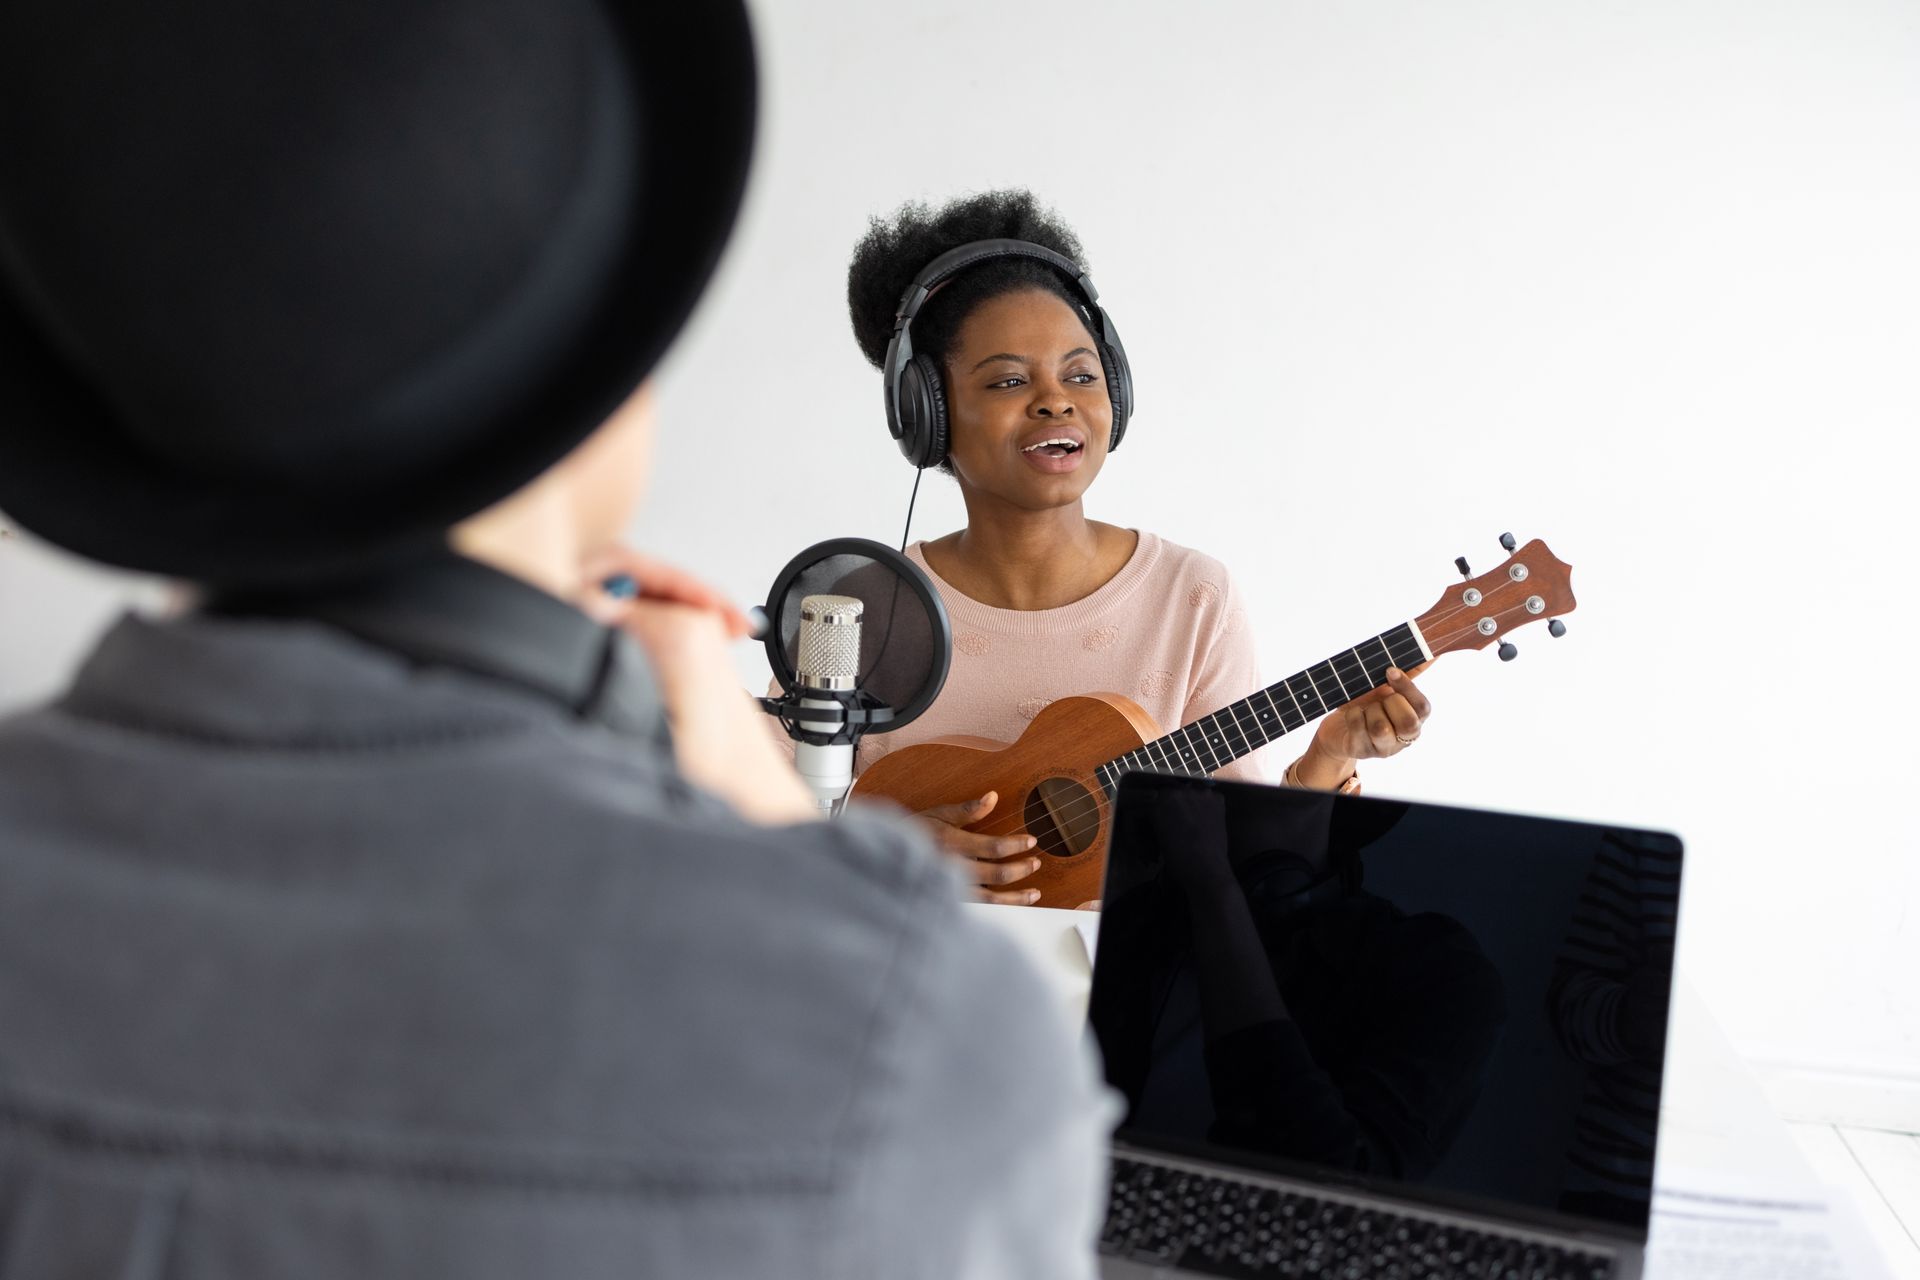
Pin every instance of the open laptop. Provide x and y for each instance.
(1366, 1038)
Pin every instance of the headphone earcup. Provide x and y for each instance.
(1119, 390)
(911, 412)
(924, 437)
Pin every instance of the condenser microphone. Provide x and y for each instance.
(859, 643)
(827, 670)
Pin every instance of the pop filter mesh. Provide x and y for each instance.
(906, 642)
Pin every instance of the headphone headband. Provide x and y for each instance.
(955, 260)
(915, 397)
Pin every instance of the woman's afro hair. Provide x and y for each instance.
(896, 249)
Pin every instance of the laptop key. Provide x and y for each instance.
(1220, 1226)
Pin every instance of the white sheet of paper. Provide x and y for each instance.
(1716, 1226)
(1087, 925)
(1056, 941)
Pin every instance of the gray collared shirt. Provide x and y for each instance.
(318, 962)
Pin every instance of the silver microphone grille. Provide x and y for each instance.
(829, 642)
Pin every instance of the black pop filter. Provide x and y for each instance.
(906, 641)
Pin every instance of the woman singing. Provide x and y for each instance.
(1045, 602)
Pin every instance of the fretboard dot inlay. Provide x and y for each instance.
(1226, 735)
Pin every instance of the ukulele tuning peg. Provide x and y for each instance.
(1556, 628)
(1507, 543)
(1460, 563)
(1507, 652)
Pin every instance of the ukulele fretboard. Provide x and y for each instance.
(1217, 740)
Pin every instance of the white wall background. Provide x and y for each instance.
(1641, 278)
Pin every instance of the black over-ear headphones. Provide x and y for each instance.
(916, 394)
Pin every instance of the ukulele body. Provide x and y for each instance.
(1045, 781)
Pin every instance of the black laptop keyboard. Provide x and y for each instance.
(1228, 1228)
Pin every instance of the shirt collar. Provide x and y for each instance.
(455, 613)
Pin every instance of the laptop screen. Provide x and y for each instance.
(1441, 1003)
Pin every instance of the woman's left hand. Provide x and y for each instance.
(1382, 723)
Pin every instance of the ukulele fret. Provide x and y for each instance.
(1242, 742)
(1190, 761)
(1310, 706)
(1219, 738)
(1269, 722)
(1215, 739)
(1321, 676)
(1376, 662)
(1293, 706)
(1352, 675)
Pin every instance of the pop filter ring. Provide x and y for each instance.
(863, 707)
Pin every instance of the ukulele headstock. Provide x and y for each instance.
(1531, 585)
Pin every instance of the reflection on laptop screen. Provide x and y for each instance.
(1446, 1003)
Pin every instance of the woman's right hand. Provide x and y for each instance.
(990, 861)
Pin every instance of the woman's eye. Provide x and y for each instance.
(1081, 378)
(1005, 382)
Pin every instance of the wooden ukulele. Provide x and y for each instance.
(1057, 781)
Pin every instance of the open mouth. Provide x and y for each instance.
(1059, 447)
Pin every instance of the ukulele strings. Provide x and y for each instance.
(1071, 817)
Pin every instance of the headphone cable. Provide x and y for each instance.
(911, 499)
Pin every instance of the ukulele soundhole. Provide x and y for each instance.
(1063, 816)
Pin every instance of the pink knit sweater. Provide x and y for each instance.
(1167, 631)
